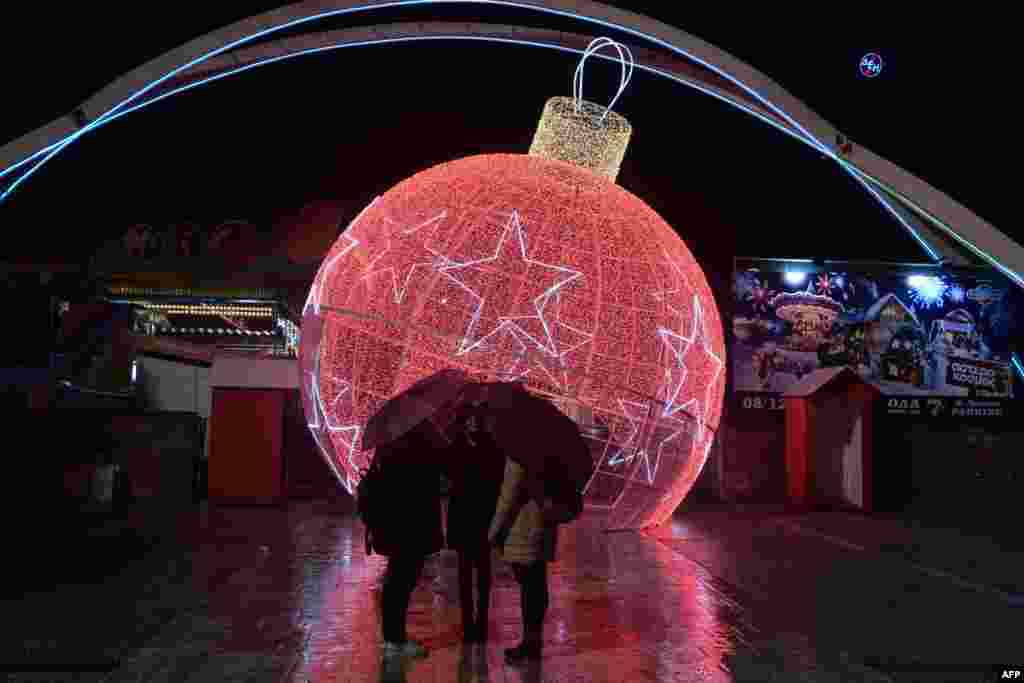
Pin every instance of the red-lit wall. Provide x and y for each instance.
(246, 456)
(753, 457)
(306, 474)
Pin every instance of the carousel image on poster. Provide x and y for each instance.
(914, 334)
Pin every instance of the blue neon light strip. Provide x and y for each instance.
(809, 139)
(814, 142)
(1017, 364)
(380, 41)
(767, 119)
(270, 60)
(895, 214)
(945, 228)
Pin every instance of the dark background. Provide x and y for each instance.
(348, 125)
(939, 108)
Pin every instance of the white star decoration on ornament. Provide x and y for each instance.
(321, 277)
(473, 338)
(676, 371)
(518, 368)
(679, 370)
(680, 427)
(633, 446)
(315, 424)
(636, 413)
(555, 365)
(323, 419)
(670, 296)
(393, 259)
(313, 300)
(331, 415)
(678, 345)
(707, 360)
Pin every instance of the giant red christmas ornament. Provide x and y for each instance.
(517, 267)
(528, 268)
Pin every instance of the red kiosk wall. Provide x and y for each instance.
(803, 431)
(246, 461)
(798, 451)
(867, 395)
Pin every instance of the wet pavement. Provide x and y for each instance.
(251, 594)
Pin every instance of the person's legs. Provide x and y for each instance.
(402, 574)
(483, 587)
(519, 571)
(466, 592)
(535, 600)
(533, 604)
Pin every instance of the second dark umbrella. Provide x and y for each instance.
(535, 433)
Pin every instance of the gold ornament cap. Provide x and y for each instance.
(582, 133)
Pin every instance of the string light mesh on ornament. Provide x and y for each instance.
(535, 268)
(515, 267)
(582, 133)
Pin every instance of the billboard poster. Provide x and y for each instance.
(911, 334)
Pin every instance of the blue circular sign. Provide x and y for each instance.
(870, 65)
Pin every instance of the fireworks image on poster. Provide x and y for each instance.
(927, 291)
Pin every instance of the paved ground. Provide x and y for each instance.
(853, 589)
(717, 595)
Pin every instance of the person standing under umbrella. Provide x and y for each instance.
(409, 526)
(527, 542)
(400, 495)
(476, 471)
(547, 465)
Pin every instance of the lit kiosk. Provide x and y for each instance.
(829, 422)
(247, 425)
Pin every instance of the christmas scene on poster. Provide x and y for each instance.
(908, 334)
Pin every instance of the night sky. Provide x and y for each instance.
(350, 125)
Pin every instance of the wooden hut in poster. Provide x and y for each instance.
(829, 454)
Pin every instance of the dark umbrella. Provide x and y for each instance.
(535, 433)
(423, 400)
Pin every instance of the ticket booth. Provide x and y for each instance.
(829, 438)
(247, 428)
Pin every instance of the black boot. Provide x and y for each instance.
(528, 649)
(483, 611)
(480, 631)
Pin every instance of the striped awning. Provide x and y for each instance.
(222, 331)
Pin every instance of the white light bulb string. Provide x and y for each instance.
(625, 57)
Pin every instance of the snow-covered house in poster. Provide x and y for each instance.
(889, 309)
(896, 343)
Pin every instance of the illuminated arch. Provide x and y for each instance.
(934, 219)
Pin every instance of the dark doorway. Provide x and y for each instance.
(892, 477)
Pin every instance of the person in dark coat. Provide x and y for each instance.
(410, 528)
(476, 470)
